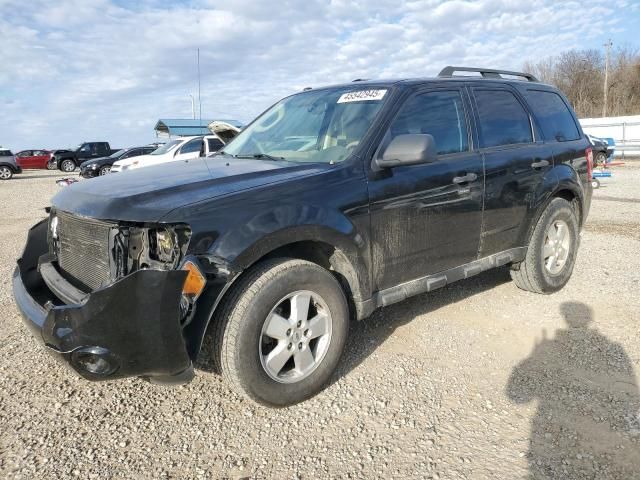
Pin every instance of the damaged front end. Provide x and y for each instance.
(111, 298)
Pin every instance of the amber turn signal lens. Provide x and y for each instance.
(195, 281)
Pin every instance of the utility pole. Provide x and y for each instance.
(199, 98)
(193, 107)
(606, 77)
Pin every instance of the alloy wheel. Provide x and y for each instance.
(5, 173)
(295, 337)
(557, 244)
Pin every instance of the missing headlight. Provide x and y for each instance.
(163, 245)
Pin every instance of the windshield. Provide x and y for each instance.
(314, 126)
(167, 147)
(118, 154)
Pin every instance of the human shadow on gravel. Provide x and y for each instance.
(367, 335)
(587, 423)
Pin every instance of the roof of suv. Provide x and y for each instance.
(446, 75)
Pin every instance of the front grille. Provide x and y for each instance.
(83, 249)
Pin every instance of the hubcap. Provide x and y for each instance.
(556, 247)
(68, 166)
(5, 173)
(105, 170)
(295, 337)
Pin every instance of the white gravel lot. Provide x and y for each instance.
(476, 381)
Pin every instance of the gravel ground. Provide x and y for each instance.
(478, 380)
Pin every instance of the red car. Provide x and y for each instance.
(33, 158)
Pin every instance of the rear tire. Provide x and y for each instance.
(51, 165)
(67, 165)
(262, 343)
(552, 250)
(595, 183)
(601, 158)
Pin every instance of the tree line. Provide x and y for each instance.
(580, 74)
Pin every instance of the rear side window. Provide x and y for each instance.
(503, 119)
(552, 114)
(440, 114)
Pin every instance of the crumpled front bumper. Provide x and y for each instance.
(131, 328)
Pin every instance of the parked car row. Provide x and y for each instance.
(98, 158)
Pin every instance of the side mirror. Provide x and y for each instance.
(409, 149)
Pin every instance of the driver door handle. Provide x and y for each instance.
(469, 177)
(540, 164)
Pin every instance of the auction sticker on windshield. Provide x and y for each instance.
(362, 95)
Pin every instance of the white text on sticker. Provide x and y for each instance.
(362, 95)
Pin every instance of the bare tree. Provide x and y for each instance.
(580, 75)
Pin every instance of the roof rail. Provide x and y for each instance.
(360, 80)
(485, 72)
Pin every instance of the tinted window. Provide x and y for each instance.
(5, 153)
(440, 114)
(554, 117)
(503, 120)
(214, 144)
(192, 146)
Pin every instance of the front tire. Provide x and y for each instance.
(552, 250)
(281, 332)
(106, 170)
(67, 165)
(5, 173)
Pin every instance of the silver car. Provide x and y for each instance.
(8, 165)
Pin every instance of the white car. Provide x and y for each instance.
(183, 148)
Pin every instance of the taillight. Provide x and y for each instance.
(589, 154)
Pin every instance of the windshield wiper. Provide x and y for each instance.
(261, 155)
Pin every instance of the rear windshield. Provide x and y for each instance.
(5, 153)
(553, 115)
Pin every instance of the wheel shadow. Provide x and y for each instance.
(367, 335)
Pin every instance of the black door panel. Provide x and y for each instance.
(422, 221)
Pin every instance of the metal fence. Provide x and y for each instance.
(624, 130)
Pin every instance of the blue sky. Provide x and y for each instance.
(76, 70)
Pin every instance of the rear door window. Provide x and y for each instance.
(440, 114)
(503, 119)
(553, 115)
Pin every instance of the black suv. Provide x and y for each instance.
(334, 202)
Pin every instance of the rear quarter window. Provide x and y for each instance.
(503, 119)
(553, 115)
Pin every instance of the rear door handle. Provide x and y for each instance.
(540, 164)
(469, 177)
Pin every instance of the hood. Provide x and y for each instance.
(148, 194)
(224, 131)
